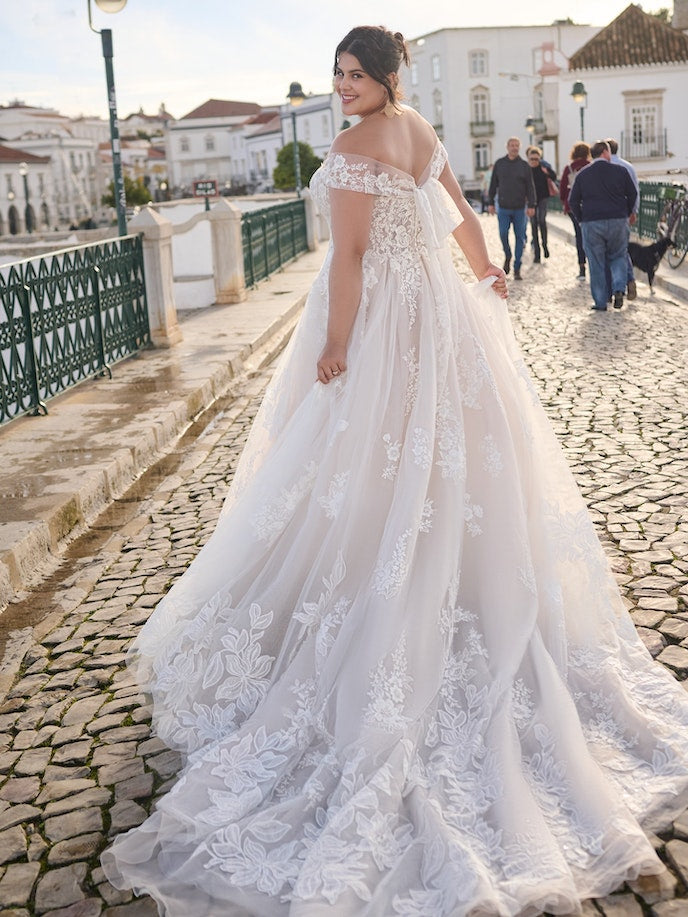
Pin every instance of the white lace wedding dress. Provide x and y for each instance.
(400, 670)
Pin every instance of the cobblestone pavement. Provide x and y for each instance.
(77, 761)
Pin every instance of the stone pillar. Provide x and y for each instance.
(228, 252)
(157, 263)
(312, 220)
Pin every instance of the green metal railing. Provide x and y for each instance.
(271, 237)
(67, 316)
(649, 210)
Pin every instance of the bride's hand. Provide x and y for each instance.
(332, 363)
(499, 286)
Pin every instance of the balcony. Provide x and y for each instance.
(482, 128)
(639, 145)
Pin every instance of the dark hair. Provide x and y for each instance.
(379, 51)
(598, 148)
(613, 146)
(580, 150)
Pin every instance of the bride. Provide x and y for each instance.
(400, 671)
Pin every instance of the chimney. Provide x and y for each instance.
(680, 18)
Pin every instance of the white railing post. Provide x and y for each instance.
(228, 252)
(157, 262)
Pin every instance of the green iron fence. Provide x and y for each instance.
(67, 316)
(271, 237)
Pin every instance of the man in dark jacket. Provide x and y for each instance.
(602, 200)
(512, 185)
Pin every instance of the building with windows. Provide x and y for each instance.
(635, 75)
(479, 86)
(318, 121)
(25, 191)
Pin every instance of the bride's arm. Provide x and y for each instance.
(351, 212)
(470, 237)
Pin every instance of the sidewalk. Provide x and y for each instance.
(673, 282)
(58, 472)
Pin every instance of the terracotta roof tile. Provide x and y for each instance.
(9, 154)
(220, 108)
(634, 38)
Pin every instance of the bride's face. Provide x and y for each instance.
(360, 94)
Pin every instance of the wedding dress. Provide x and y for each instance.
(400, 671)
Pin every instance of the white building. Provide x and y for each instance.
(318, 121)
(263, 140)
(635, 75)
(208, 143)
(479, 86)
(20, 202)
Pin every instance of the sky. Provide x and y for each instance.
(181, 52)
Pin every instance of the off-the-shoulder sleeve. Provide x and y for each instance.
(349, 172)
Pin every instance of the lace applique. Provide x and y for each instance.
(412, 383)
(274, 515)
(421, 447)
(389, 577)
(426, 518)
(312, 612)
(389, 686)
(522, 703)
(471, 513)
(492, 458)
(332, 502)
(450, 441)
(393, 450)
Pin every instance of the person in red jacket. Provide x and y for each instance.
(579, 157)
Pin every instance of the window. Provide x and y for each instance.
(480, 105)
(437, 112)
(184, 144)
(477, 63)
(306, 131)
(481, 155)
(209, 142)
(644, 137)
(324, 124)
(436, 69)
(414, 73)
(415, 102)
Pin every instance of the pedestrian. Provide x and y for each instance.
(512, 186)
(602, 200)
(485, 188)
(631, 288)
(579, 157)
(400, 669)
(542, 176)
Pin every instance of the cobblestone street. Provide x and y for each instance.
(77, 761)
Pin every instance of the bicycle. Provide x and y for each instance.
(673, 223)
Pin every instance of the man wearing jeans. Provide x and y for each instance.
(602, 200)
(512, 185)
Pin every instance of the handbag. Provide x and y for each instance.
(552, 187)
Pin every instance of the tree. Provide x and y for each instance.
(283, 174)
(134, 191)
(662, 14)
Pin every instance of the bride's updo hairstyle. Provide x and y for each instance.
(380, 53)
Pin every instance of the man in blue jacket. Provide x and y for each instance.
(512, 185)
(602, 200)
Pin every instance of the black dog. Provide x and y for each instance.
(647, 257)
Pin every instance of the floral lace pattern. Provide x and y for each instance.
(400, 670)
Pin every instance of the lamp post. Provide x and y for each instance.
(23, 171)
(580, 95)
(112, 6)
(530, 127)
(296, 95)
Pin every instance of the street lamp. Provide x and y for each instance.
(530, 127)
(296, 95)
(112, 6)
(581, 97)
(23, 171)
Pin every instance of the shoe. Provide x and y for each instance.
(618, 300)
(517, 273)
(507, 265)
(581, 272)
(545, 250)
(631, 290)
(599, 308)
